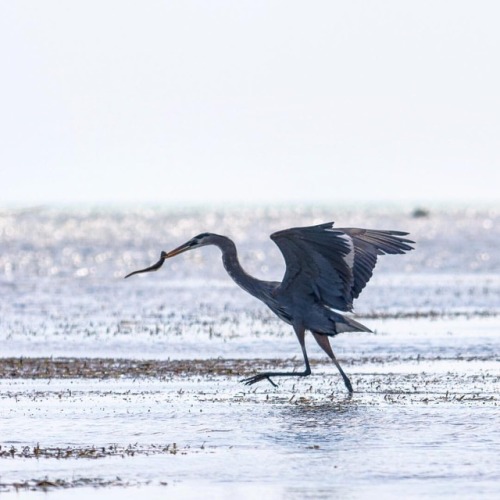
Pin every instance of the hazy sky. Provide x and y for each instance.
(249, 101)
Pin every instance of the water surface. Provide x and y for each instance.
(422, 422)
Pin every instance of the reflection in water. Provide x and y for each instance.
(312, 414)
(318, 424)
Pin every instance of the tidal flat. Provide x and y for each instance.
(116, 387)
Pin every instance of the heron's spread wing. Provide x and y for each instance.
(334, 264)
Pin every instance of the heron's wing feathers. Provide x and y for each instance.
(334, 264)
(315, 264)
(368, 244)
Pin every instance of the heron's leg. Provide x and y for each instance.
(324, 343)
(300, 332)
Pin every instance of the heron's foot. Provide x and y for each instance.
(347, 383)
(258, 378)
(349, 386)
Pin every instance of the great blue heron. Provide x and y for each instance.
(326, 269)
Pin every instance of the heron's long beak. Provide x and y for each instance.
(178, 250)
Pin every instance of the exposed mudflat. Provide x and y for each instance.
(81, 422)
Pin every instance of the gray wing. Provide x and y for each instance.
(334, 264)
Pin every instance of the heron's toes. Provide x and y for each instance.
(257, 378)
(251, 380)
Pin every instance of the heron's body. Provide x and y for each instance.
(326, 269)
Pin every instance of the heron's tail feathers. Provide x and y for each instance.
(348, 324)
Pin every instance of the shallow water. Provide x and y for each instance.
(423, 420)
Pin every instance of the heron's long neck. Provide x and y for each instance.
(233, 266)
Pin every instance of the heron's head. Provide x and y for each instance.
(196, 242)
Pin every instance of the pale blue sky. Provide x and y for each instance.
(249, 101)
